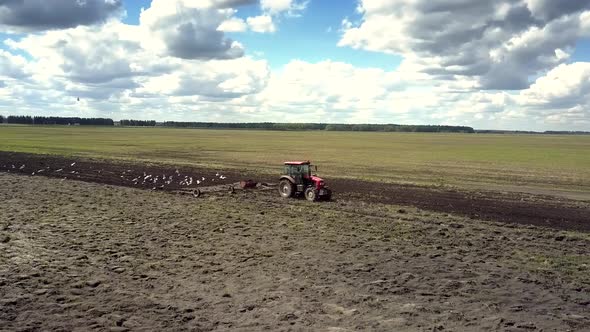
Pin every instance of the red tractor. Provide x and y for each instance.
(298, 180)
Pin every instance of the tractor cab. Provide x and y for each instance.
(299, 179)
(299, 170)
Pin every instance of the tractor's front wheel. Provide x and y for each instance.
(286, 189)
(311, 194)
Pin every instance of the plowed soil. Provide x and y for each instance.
(79, 256)
(528, 209)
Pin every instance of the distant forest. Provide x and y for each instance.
(137, 123)
(53, 120)
(323, 126)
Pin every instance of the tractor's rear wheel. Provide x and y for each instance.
(311, 194)
(286, 189)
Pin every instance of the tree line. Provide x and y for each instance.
(138, 123)
(323, 126)
(400, 128)
(54, 120)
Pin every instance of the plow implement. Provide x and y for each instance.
(243, 185)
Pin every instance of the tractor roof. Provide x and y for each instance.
(297, 162)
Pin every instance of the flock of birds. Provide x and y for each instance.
(145, 179)
(164, 180)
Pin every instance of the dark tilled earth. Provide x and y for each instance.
(79, 256)
(527, 209)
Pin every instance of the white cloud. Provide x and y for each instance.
(341, 93)
(291, 7)
(233, 24)
(189, 30)
(496, 44)
(262, 24)
(214, 80)
(564, 87)
(13, 66)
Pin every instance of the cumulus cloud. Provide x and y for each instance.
(262, 24)
(84, 55)
(110, 62)
(38, 15)
(291, 7)
(233, 24)
(564, 87)
(13, 66)
(190, 30)
(209, 80)
(496, 44)
(340, 92)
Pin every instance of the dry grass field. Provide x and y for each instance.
(532, 163)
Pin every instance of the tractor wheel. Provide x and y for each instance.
(286, 189)
(311, 194)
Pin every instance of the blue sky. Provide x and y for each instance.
(497, 65)
(311, 36)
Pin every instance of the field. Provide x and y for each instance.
(426, 232)
(81, 256)
(532, 163)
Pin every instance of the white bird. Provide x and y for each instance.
(198, 181)
(223, 177)
(74, 163)
(217, 174)
(190, 181)
(22, 167)
(59, 170)
(203, 179)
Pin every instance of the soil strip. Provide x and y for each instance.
(547, 211)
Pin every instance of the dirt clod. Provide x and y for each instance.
(93, 283)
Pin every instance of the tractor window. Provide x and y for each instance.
(297, 170)
(305, 170)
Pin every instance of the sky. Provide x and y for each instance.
(504, 64)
